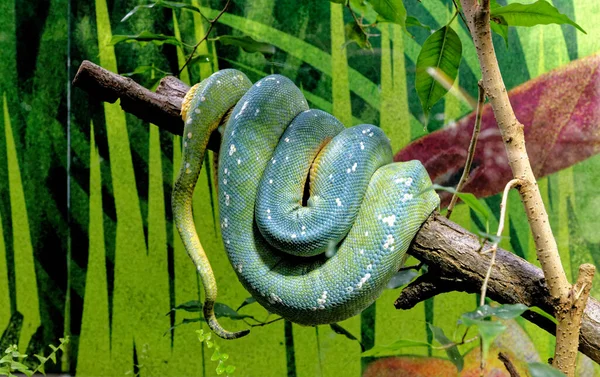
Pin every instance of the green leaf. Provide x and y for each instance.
(342, 331)
(452, 351)
(469, 199)
(488, 330)
(146, 36)
(192, 306)
(247, 44)
(539, 13)
(394, 348)
(355, 34)
(247, 301)
(498, 24)
(222, 310)
(390, 11)
(216, 355)
(230, 369)
(442, 52)
(543, 370)
(220, 368)
(507, 311)
(413, 21)
(166, 4)
(401, 278)
(543, 313)
(338, 1)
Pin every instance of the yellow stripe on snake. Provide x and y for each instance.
(316, 254)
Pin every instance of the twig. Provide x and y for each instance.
(459, 12)
(471, 150)
(478, 18)
(210, 27)
(508, 365)
(512, 183)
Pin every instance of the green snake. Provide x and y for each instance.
(315, 217)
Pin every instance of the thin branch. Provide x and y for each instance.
(512, 183)
(471, 150)
(210, 27)
(458, 10)
(510, 367)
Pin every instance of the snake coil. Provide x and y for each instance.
(315, 217)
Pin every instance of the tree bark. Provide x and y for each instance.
(451, 252)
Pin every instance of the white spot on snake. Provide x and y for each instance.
(274, 299)
(321, 307)
(338, 201)
(270, 181)
(232, 132)
(389, 242)
(303, 233)
(303, 227)
(278, 82)
(367, 233)
(189, 135)
(409, 181)
(362, 145)
(390, 220)
(348, 170)
(354, 166)
(379, 217)
(225, 181)
(185, 144)
(268, 211)
(349, 289)
(361, 251)
(258, 84)
(321, 301)
(202, 98)
(294, 235)
(371, 134)
(274, 161)
(239, 268)
(313, 308)
(225, 223)
(287, 139)
(226, 199)
(239, 161)
(256, 112)
(269, 217)
(315, 115)
(197, 111)
(242, 110)
(399, 180)
(225, 171)
(330, 176)
(364, 131)
(286, 158)
(232, 149)
(218, 81)
(369, 267)
(406, 197)
(227, 242)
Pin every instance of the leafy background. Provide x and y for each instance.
(87, 246)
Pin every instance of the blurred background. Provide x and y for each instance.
(87, 247)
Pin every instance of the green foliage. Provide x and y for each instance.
(470, 200)
(217, 355)
(439, 56)
(160, 3)
(146, 36)
(498, 24)
(12, 361)
(338, 329)
(414, 21)
(539, 13)
(543, 370)
(449, 346)
(390, 11)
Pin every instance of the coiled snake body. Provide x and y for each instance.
(313, 255)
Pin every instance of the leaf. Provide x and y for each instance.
(222, 310)
(166, 4)
(500, 27)
(247, 301)
(452, 351)
(338, 1)
(442, 51)
(229, 369)
(401, 278)
(390, 11)
(413, 21)
(543, 313)
(355, 34)
(564, 101)
(192, 306)
(146, 36)
(539, 13)
(342, 331)
(247, 44)
(469, 199)
(544, 370)
(394, 348)
(506, 311)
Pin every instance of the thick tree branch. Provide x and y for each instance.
(452, 253)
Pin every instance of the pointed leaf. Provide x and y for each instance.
(355, 34)
(543, 370)
(338, 329)
(390, 11)
(146, 36)
(470, 200)
(413, 21)
(539, 13)
(222, 310)
(247, 301)
(229, 369)
(441, 51)
(452, 351)
(247, 44)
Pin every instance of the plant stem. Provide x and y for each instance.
(471, 150)
(210, 27)
(478, 18)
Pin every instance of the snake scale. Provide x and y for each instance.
(315, 217)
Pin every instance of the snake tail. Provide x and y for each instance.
(201, 117)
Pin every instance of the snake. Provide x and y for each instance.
(315, 217)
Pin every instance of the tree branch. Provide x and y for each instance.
(451, 252)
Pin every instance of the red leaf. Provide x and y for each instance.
(561, 114)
